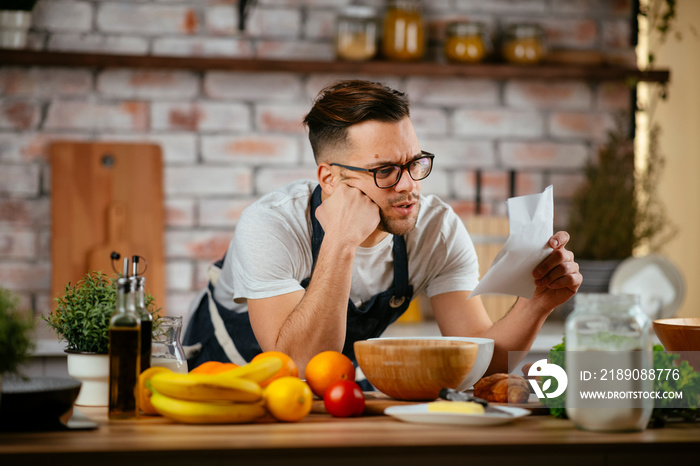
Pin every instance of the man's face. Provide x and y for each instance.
(375, 144)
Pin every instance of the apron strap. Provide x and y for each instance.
(221, 334)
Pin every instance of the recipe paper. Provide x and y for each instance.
(531, 224)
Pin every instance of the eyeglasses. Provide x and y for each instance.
(388, 176)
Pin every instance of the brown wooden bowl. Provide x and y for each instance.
(682, 335)
(414, 369)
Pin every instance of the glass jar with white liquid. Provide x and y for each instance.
(608, 363)
(167, 350)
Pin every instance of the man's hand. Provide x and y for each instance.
(348, 214)
(557, 277)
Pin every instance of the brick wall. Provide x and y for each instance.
(229, 137)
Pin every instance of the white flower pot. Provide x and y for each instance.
(93, 371)
(14, 25)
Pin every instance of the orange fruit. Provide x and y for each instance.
(288, 399)
(289, 368)
(213, 367)
(328, 367)
(144, 394)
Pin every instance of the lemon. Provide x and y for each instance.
(288, 399)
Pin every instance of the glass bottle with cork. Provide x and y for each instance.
(124, 351)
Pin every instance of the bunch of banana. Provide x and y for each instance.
(234, 396)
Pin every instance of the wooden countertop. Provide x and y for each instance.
(321, 439)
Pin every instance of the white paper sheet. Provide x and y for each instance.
(531, 224)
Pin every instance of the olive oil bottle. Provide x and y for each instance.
(124, 353)
(146, 323)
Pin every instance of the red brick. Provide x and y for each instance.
(451, 153)
(613, 96)
(18, 244)
(202, 245)
(179, 213)
(68, 114)
(45, 82)
(502, 6)
(252, 86)
(281, 118)
(541, 94)
(544, 155)
(25, 276)
(616, 34)
(203, 47)
(200, 116)
(221, 19)
(201, 274)
(20, 180)
(25, 212)
(269, 179)
(294, 50)
(156, 19)
(69, 42)
(451, 91)
(320, 24)
(570, 33)
(429, 121)
(498, 123)
(222, 212)
(32, 146)
(177, 148)
(598, 7)
(208, 180)
(19, 114)
(580, 125)
(63, 15)
(565, 185)
(148, 84)
(273, 22)
(528, 183)
(252, 149)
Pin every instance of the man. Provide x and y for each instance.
(317, 265)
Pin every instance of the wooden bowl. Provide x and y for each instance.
(415, 369)
(681, 335)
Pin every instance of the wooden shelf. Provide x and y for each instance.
(487, 70)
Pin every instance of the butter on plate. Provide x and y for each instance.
(462, 407)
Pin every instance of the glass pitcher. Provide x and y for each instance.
(608, 352)
(167, 350)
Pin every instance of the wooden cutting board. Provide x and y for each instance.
(106, 197)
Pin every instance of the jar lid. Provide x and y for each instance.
(465, 28)
(523, 30)
(358, 11)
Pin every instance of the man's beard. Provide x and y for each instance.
(399, 226)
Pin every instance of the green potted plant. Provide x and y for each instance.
(81, 319)
(15, 335)
(15, 21)
(617, 209)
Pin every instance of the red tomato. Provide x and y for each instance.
(344, 398)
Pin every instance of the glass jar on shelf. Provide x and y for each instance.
(403, 35)
(466, 42)
(524, 44)
(608, 350)
(356, 33)
(166, 349)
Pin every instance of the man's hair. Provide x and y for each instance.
(347, 103)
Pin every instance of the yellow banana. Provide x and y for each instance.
(257, 371)
(207, 412)
(204, 387)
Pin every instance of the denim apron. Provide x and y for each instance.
(213, 329)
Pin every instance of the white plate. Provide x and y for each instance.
(657, 281)
(419, 413)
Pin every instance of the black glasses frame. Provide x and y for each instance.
(406, 166)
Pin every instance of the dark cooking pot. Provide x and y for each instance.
(36, 403)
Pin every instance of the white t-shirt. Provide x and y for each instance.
(270, 253)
